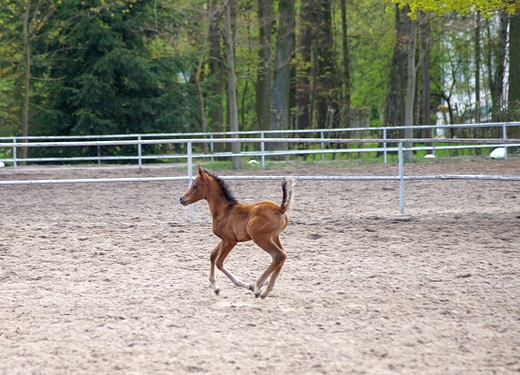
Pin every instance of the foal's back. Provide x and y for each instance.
(246, 222)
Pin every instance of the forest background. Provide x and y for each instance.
(92, 67)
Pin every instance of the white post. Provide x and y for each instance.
(504, 136)
(434, 135)
(14, 157)
(139, 153)
(212, 148)
(401, 180)
(322, 147)
(384, 145)
(262, 147)
(99, 154)
(190, 177)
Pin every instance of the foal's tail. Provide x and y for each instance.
(287, 188)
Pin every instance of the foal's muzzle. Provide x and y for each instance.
(183, 201)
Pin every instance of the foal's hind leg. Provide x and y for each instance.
(276, 272)
(273, 247)
(225, 248)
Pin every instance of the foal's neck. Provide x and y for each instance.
(218, 203)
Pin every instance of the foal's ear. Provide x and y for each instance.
(201, 172)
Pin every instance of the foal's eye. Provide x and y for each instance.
(195, 186)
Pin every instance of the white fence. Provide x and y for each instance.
(190, 156)
(322, 138)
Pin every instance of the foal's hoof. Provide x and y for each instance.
(215, 289)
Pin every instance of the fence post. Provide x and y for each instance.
(401, 179)
(262, 148)
(212, 147)
(190, 177)
(322, 147)
(139, 153)
(504, 136)
(384, 145)
(14, 157)
(434, 135)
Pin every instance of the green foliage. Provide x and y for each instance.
(371, 39)
(485, 7)
(106, 80)
(113, 66)
(8, 106)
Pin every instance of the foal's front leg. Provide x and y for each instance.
(213, 258)
(218, 256)
(225, 248)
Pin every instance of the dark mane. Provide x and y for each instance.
(225, 189)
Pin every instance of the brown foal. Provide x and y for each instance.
(235, 222)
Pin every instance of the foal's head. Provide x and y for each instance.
(204, 185)
(198, 189)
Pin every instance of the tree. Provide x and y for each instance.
(263, 81)
(26, 45)
(232, 84)
(463, 7)
(477, 66)
(198, 73)
(371, 61)
(107, 80)
(327, 87)
(514, 72)
(282, 68)
(36, 17)
(496, 57)
(346, 62)
(8, 102)
(410, 90)
(395, 102)
(303, 65)
(216, 72)
(425, 73)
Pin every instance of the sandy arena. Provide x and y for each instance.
(113, 278)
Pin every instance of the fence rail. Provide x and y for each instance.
(470, 143)
(210, 135)
(321, 137)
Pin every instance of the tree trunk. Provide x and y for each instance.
(232, 87)
(197, 77)
(216, 67)
(425, 75)
(26, 78)
(282, 71)
(346, 63)
(514, 74)
(496, 76)
(303, 68)
(410, 94)
(395, 99)
(477, 70)
(327, 100)
(263, 82)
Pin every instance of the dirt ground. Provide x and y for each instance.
(113, 278)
